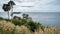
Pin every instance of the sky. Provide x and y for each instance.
(33, 5)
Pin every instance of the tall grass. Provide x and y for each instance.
(9, 28)
(49, 30)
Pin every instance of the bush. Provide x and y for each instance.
(7, 19)
(29, 24)
(1, 18)
(16, 22)
(32, 25)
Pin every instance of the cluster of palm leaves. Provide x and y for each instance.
(8, 6)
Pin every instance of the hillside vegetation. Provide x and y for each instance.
(25, 25)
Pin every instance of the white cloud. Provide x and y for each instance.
(38, 5)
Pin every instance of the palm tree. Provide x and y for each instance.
(11, 3)
(7, 7)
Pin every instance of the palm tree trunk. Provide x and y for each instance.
(11, 13)
(8, 14)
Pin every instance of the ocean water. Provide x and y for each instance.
(45, 18)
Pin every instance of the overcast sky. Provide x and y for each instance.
(34, 5)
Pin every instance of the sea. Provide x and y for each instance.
(45, 18)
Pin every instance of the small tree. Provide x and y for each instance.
(25, 17)
(7, 7)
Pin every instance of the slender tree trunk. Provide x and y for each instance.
(8, 14)
(12, 13)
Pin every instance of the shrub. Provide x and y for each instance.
(16, 22)
(32, 25)
(1, 18)
(8, 20)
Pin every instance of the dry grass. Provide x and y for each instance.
(22, 30)
(49, 30)
(9, 28)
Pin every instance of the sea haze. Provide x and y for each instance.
(45, 18)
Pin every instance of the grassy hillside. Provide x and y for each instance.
(25, 25)
(10, 28)
(48, 30)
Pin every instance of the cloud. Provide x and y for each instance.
(36, 5)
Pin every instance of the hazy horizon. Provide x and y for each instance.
(45, 18)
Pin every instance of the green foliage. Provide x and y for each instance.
(25, 17)
(6, 7)
(1, 18)
(26, 22)
(27, 25)
(7, 19)
(13, 32)
(15, 17)
(11, 3)
(16, 21)
(42, 27)
(33, 25)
